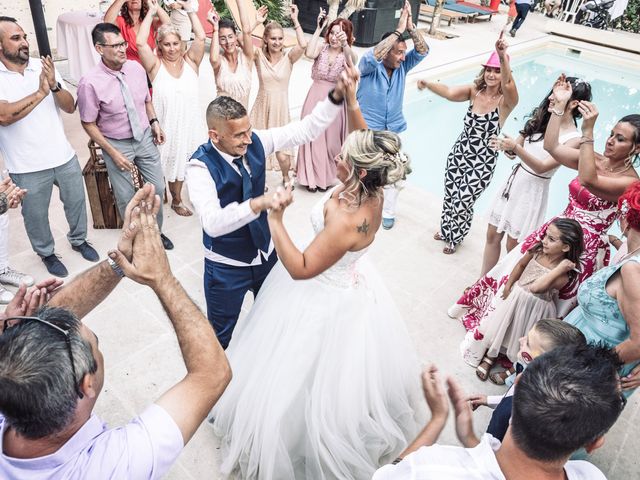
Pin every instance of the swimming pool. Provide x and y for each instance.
(434, 123)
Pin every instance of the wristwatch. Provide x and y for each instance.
(57, 88)
(115, 267)
(153, 120)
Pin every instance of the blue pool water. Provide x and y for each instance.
(434, 123)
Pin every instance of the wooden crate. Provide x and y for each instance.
(101, 199)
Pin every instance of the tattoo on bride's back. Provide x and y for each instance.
(364, 228)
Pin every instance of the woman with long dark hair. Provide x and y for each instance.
(520, 204)
(128, 15)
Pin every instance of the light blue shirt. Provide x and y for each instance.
(381, 97)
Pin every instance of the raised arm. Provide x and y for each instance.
(508, 85)
(162, 18)
(149, 60)
(90, 288)
(113, 11)
(355, 119)
(296, 52)
(605, 187)
(458, 93)
(381, 49)
(566, 155)
(245, 25)
(315, 44)
(196, 50)
(214, 52)
(261, 17)
(208, 372)
(419, 43)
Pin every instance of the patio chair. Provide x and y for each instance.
(452, 6)
(571, 10)
(469, 8)
(427, 11)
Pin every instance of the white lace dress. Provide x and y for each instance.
(521, 203)
(176, 103)
(326, 382)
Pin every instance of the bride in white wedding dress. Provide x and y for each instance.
(326, 382)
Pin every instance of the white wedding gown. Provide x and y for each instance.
(326, 382)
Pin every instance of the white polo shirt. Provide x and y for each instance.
(37, 142)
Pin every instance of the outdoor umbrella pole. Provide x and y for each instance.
(37, 14)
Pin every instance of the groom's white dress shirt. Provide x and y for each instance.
(217, 221)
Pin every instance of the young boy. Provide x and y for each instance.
(547, 334)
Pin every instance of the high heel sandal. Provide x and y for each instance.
(483, 370)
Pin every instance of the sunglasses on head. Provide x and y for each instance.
(65, 333)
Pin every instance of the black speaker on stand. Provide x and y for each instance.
(369, 24)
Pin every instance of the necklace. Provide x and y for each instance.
(175, 64)
(609, 169)
(628, 255)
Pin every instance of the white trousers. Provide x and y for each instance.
(391, 193)
(4, 241)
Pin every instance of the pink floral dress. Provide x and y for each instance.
(594, 214)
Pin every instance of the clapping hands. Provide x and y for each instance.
(10, 195)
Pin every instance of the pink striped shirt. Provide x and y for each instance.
(100, 99)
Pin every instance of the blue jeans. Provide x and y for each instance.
(224, 289)
(35, 205)
(523, 10)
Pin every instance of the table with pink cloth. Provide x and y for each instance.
(73, 32)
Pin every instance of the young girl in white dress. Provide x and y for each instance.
(528, 296)
(326, 382)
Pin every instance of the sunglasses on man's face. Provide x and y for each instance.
(13, 321)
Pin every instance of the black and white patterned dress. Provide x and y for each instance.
(470, 167)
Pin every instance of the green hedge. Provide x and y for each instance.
(630, 21)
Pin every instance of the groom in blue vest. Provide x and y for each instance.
(226, 180)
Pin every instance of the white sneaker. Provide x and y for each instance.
(15, 278)
(5, 296)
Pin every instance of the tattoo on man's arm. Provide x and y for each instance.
(18, 112)
(364, 228)
(419, 42)
(384, 47)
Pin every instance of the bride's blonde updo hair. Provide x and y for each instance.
(378, 153)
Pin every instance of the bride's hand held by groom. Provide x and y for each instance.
(281, 199)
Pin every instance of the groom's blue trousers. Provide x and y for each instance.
(224, 289)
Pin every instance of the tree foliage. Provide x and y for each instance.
(276, 10)
(630, 20)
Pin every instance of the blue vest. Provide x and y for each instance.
(238, 245)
